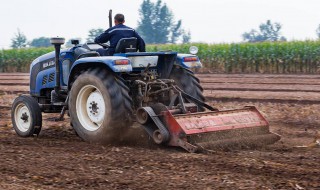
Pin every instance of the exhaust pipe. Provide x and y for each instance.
(57, 42)
(110, 18)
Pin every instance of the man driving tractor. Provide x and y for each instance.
(115, 33)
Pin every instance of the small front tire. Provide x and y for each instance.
(26, 116)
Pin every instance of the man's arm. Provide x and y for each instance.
(103, 38)
(141, 45)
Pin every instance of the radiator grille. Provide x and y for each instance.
(51, 77)
(44, 80)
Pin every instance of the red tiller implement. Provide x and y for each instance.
(195, 131)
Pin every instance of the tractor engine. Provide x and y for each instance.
(148, 89)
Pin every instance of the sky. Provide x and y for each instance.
(209, 21)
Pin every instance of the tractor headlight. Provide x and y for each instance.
(193, 50)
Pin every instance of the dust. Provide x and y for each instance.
(237, 139)
(132, 136)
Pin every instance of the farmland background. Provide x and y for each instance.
(265, 57)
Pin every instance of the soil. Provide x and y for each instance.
(59, 159)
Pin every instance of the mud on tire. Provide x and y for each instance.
(99, 106)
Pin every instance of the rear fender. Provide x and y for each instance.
(188, 64)
(107, 62)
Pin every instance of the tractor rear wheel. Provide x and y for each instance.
(26, 116)
(189, 83)
(99, 106)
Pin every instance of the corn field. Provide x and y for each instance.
(19, 60)
(266, 57)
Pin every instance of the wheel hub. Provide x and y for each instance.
(22, 115)
(95, 107)
(90, 107)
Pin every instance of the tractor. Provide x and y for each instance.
(105, 95)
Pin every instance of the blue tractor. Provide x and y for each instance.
(104, 95)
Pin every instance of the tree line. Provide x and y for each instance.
(157, 25)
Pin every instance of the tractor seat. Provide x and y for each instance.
(126, 45)
(82, 52)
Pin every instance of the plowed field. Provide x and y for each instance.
(58, 159)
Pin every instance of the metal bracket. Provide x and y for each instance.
(187, 146)
(63, 111)
(195, 100)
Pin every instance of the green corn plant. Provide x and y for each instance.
(264, 57)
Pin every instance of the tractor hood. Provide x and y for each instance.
(47, 57)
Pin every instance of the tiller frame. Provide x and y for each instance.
(181, 124)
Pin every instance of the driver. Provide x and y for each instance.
(115, 33)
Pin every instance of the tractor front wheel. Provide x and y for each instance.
(26, 116)
(99, 106)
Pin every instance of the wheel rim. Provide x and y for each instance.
(22, 117)
(90, 107)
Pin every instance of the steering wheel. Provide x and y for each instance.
(105, 46)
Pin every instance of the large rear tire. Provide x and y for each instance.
(99, 106)
(189, 83)
(26, 116)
